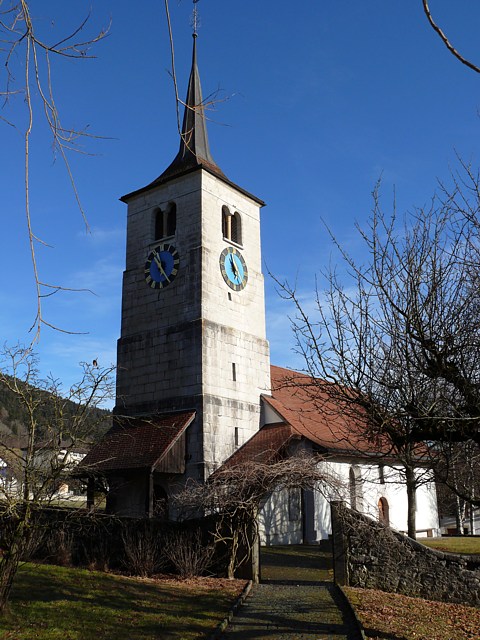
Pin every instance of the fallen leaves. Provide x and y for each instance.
(403, 618)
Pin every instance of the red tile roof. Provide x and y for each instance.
(135, 443)
(263, 447)
(318, 411)
(307, 408)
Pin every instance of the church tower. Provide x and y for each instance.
(193, 311)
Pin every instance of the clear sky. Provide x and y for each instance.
(321, 99)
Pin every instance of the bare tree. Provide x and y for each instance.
(234, 494)
(401, 342)
(457, 470)
(27, 56)
(35, 469)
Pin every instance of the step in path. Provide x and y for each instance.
(296, 600)
(293, 612)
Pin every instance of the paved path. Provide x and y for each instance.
(291, 604)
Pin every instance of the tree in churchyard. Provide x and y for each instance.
(458, 481)
(400, 338)
(234, 494)
(36, 466)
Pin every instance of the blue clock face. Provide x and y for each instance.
(234, 269)
(161, 266)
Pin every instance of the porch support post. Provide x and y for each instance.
(149, 496)
(90, 493)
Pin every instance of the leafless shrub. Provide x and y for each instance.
(59, 544)
(144, 555)
(188, 553)
(99, 557)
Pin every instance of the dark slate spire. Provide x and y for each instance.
(194, 148)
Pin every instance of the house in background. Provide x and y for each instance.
(51, 472)
(10, 471)
(194, 381)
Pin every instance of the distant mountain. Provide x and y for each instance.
(14, 417)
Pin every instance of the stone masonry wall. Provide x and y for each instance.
(370, 555)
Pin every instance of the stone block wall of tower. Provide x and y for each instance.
(196, 343)
(159, 352)
(236, 361)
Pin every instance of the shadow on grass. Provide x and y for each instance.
(52, 602)
(300, 564)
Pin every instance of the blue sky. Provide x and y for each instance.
(321, 99)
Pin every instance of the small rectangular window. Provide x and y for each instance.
(234, 372)
(236, 436)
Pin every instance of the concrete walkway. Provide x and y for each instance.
(295, 601)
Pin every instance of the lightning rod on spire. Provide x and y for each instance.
(195, 19)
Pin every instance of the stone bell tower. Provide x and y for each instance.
(193, 359)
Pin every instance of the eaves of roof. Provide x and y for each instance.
(161, 181)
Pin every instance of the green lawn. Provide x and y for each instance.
(55, 603)
(460, 544)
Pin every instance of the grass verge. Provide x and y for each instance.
(55, 603)
(457, 544)
(396, 617)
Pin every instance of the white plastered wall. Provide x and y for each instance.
(276, 528)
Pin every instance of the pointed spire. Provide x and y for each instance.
(194, 148)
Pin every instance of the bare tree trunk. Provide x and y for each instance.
(472, 513)
(232, 563)
(459, 503)
(471, 480)
(8, 570)
(459, 514)
(411, 483)
(10, 561)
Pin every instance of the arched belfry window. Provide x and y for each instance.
(231, 225)
(165, 221)
(171, 221)
(236, 228)
(226, 222)
(158, 215)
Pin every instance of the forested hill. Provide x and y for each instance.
(14, 417)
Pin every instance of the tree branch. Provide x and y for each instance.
(446, 41)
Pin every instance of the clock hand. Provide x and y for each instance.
(236, 273)
(158, 262)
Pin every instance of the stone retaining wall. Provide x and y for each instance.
(370, 555)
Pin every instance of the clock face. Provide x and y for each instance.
(161, 266)
(234, 269)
